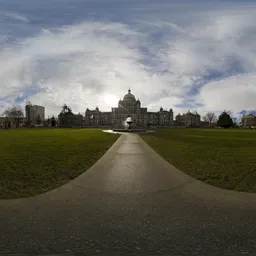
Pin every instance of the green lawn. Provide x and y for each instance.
(33, 161)
(222, 157)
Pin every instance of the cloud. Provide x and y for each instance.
(202, 61)
(15, 16)
(73, 64)
(233, 93)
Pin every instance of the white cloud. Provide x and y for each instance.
(161, 59)
(234, 93)
(15, 16)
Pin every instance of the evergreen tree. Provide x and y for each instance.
(38, 119)
(66, 116)
(53, 121)
(225, 120)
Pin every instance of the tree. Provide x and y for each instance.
(66, 110)
(225, 120)
(210, 118)
(53, 121)
(47, 122)
(28, 109)
(14, 113)
(7, 123)
(38, 119)
(66, 116)
(236, 125)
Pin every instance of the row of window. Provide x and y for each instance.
(116, 121)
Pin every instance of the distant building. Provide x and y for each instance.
(34, 113)
(248, 121)
(9, 121)
(188, 120)
(206, 124)
(128, 107)
(6, 121)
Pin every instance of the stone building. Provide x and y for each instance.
(188, 120)
(128, 107)
(248, 121)
(34, 113)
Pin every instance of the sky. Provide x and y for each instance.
(179, 54)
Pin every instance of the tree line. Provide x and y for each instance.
(16, 114)
(224, 120)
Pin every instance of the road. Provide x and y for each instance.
(130, 201)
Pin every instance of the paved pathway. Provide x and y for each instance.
(130, 201)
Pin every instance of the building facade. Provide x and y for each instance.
(188, 120)
(248, 121)
(6, 122)
(34, 113)
(128, 107)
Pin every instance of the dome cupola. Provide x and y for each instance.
(129, 98)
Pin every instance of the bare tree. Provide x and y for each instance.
(15, 113)
(210, 117)
(229, 112)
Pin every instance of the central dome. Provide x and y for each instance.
(129, 97)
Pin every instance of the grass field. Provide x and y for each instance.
(225, 158)
(33, 161)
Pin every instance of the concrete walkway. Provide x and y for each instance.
(130, 201)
